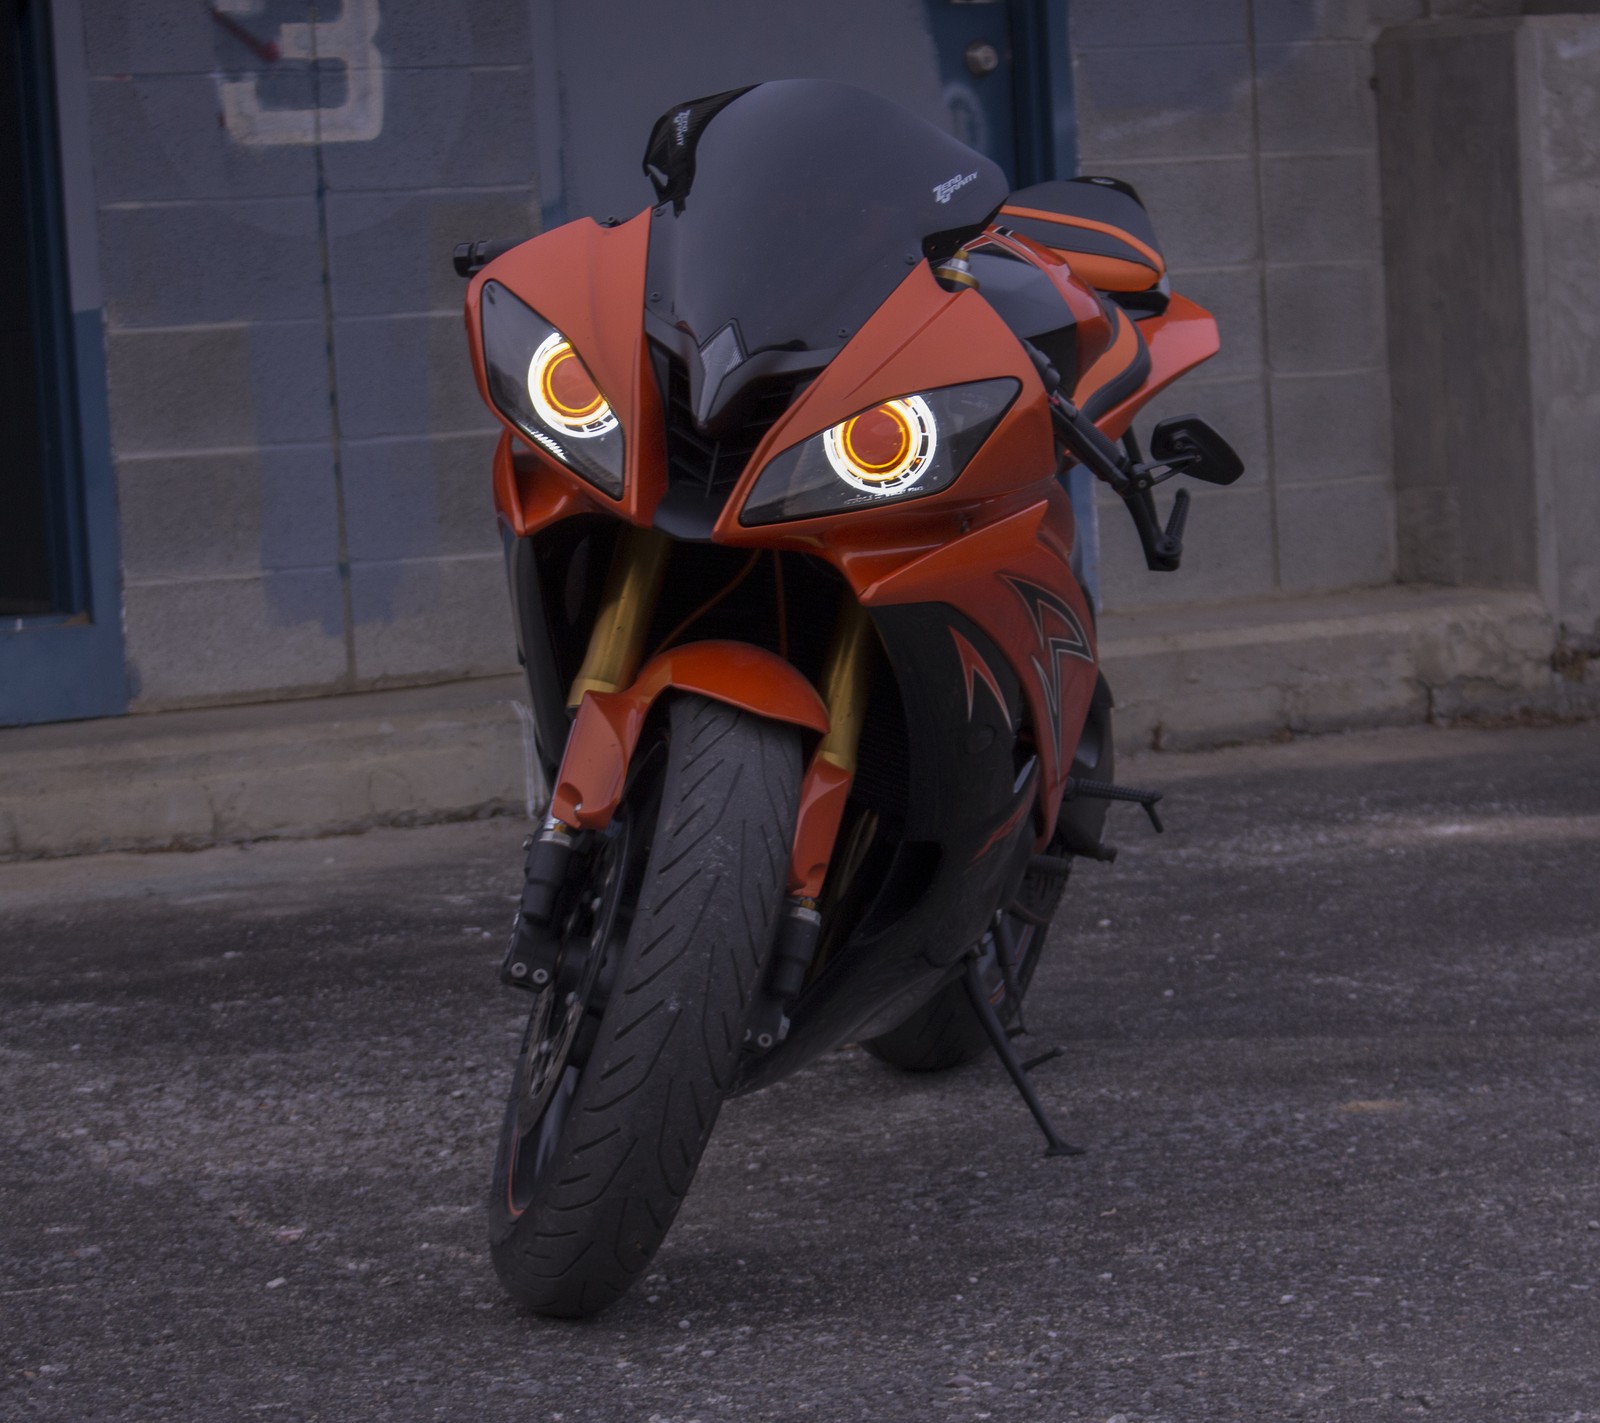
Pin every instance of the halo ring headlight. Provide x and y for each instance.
(886, 449)
(564, 394)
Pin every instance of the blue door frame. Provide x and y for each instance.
(67, 664)
(1022, 114)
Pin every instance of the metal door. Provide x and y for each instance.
(60, 633)
(1006, 67)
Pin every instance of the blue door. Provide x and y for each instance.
(1006, 71)
(60, 626)
(1006, 68)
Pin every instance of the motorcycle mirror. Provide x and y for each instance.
(1196, 449)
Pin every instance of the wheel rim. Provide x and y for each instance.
(550, 1062)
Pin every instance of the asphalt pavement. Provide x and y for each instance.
(1331, 1043)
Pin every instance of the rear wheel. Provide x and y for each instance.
(944, 1032)
(627, 1057)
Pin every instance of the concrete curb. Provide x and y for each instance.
(1187, 678)
(1196, 677)
(180, 780)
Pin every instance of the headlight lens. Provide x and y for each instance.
(539, 382)
(906, 448)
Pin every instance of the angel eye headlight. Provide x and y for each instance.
(539, 382)
(905, 448)
(564, 394)
(884, 450)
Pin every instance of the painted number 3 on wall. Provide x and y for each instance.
(347, 40)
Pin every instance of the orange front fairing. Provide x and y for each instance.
(994, 546)
(588, 282)
(921, 339)
(1013, 578)
(1178, 341)
(590, 783)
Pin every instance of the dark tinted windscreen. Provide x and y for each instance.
(798, 206)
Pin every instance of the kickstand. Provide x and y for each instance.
(978, 996)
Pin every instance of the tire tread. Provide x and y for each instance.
(668, 1043)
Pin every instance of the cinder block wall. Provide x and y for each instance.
(1491, 131)
(1249, 129)
(301, 456)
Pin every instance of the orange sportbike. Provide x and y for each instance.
(813, 678)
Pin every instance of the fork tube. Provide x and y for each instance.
(846, 681)
(633, 584)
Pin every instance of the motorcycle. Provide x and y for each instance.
(813, 678)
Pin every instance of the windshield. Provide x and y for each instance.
(795, 208)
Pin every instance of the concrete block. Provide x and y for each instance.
(1428, 538)
(406, 375)
(1106, 24)
(167, 36)
(1315, 97)
(234, 639)
(446, 128)
(432, 618)
(1321, 207)
(1466, 486)
(1296, 21)
(1325, 318)
(1474, 9)
(313, 767)
(1233, 296)
(1333, 536)
(174, 37)
(249, 511)
(1227, 553)
(1164, 101)
(1330, 427)
(1194, 676)
(1293, 21)
(1573, 442)
(196, 264)
(419, 498)
(1568, 320)
(622, 64)
(156, 137)
(423, 33)
(389, 253)
(1204, 210)
(1567, 64)
(218, 387)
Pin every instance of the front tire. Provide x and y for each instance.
(586, 1186)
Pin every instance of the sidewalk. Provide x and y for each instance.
(1182, 679)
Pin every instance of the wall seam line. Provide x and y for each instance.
(341, 522)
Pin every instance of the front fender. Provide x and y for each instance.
(606, 731)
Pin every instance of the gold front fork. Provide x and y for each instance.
(846, 681)
(627, 603)
(616, 645)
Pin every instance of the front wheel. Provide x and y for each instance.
(618, 1085)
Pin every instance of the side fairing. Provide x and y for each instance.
(968, 827)
(1013, 579)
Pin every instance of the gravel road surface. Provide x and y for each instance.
(1332, 1043)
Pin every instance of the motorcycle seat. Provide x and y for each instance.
(1098, 224)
